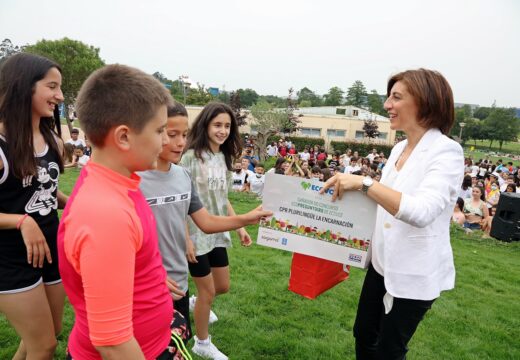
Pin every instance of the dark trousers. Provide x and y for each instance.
(385, 336)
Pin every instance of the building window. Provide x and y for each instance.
(383, 135)
(311, 132)
(354, 113)
(341, 111)
(335, 133)
(360, 134)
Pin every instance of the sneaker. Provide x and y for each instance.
(212, 316)
(193, 298)
(207, 351)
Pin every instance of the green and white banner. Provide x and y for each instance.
(309, 223)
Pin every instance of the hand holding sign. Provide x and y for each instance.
(341, 183)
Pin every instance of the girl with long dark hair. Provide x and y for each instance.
(31, 293)
(213, 144)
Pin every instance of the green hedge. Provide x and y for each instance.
(362, 148)
(298, 141)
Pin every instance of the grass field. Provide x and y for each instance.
(261, 319)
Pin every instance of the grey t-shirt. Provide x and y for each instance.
(172, 197)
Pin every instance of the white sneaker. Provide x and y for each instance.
(193, 298)
(212, 316)
(208, 351)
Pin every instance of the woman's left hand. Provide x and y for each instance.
(341, 183)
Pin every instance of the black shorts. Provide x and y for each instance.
(16, 275)
(215, 258)
(176, 348)
(183, 306)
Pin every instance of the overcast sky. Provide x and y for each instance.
(271, 45)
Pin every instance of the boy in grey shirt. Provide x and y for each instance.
(172, 197)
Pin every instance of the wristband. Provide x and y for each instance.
(19, 223)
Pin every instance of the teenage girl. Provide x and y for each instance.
(213, 143)
(31, 292)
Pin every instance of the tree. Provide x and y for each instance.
(224, 97)
(76, 59)
(357, 94)
(371, 128)
(462, 115)
(502, 125)
(482, 112)
(309, 97)
(305, 103)
(275, 101)
(175, 86)
(247, 96)
(266, 121)
(198, 96)
(375, 103)
(334, 97)
(7, 49)
(292, 120)
(236, 105)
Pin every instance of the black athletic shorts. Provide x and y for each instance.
(183, 306)
(16, 275)
(215, 258)
(176, 349)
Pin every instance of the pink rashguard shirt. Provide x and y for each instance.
(111, 266)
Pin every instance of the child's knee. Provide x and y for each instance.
(222, 289)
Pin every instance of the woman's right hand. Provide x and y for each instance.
(341, 183)
(37, 248)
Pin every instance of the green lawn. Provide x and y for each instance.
(261, 319)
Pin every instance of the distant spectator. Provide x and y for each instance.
(257, 181)
(458, 212)
(372, 155)
(316, 173)
(305, 155)
(88, 148)
(74, 138)
(253, 159)
(465, 190)
(326, 174)
(272, 149)
(475, 209)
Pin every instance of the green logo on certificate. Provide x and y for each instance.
(305, 185)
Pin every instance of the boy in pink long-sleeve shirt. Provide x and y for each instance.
(109, 257)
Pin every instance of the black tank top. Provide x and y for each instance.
(33, 195)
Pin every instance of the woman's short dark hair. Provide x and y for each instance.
(512, 187)
(18, 77)
(433, 97)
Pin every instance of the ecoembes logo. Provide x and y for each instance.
(307, 185)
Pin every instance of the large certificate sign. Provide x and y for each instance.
(309, 223)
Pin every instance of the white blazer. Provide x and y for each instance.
(414, 245)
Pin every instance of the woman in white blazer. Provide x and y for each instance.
(412, 259)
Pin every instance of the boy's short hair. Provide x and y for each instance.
(79, 147)
(118, 95)
(259, 165)
(74, 131)
(176, 109)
